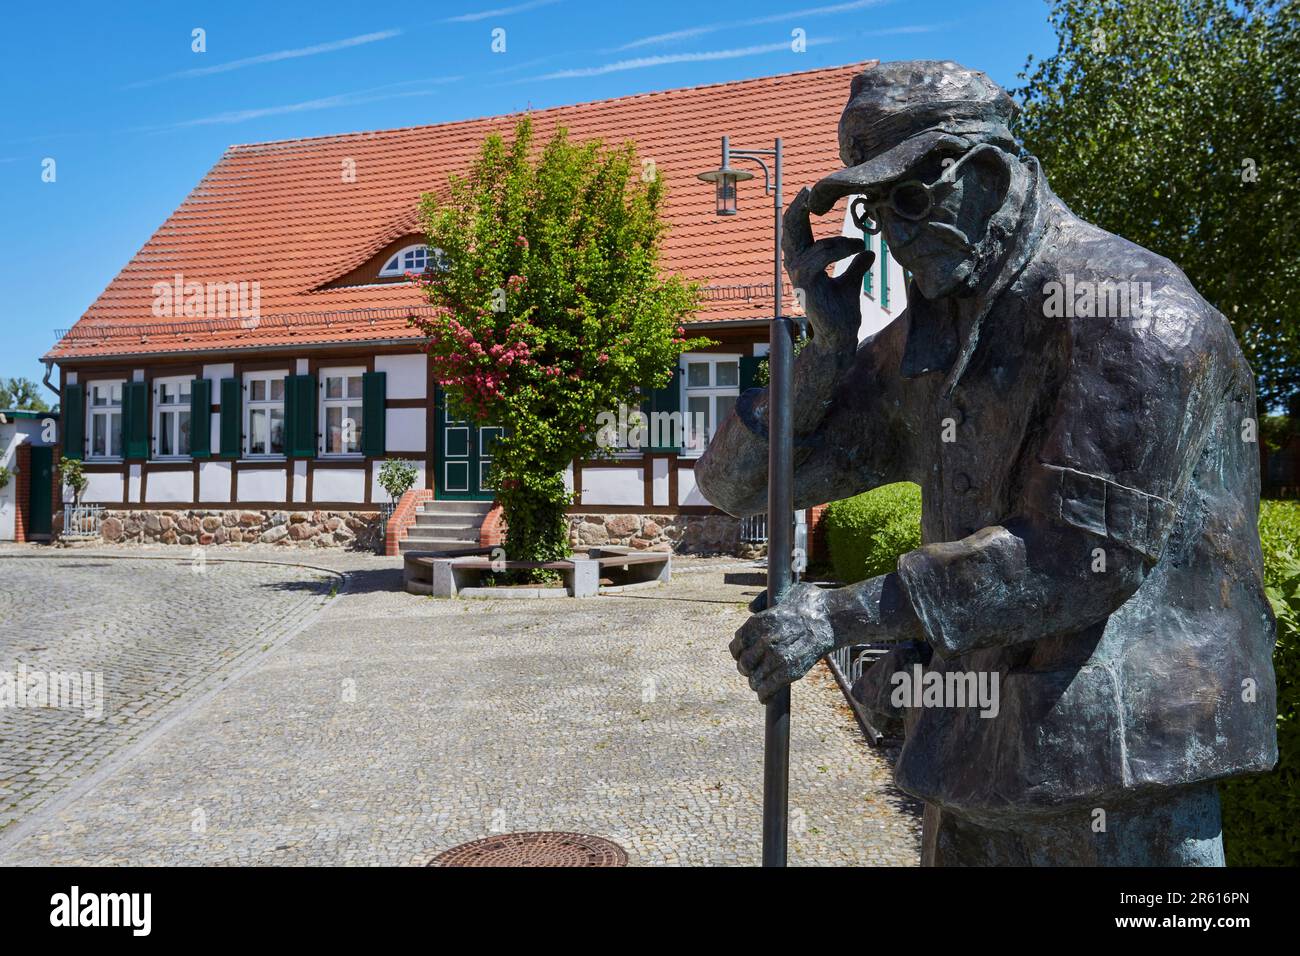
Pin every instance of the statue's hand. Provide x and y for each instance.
(777, 646)
(834, 306)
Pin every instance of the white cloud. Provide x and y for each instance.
(501, 12)
(373, 94)
(273, 57)
(641, 63)
(689, 32)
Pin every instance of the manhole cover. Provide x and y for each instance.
(534, 849)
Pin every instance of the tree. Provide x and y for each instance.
(1176, 124)
(550, 309)
(21, 395)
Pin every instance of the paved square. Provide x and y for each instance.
(393, 727)
(154, 630)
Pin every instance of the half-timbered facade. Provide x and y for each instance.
(254, 363)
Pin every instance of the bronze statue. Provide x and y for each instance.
(1081, 423)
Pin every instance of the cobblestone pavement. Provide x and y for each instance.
(148, 633)
(395, 727)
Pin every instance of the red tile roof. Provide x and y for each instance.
(282, 214)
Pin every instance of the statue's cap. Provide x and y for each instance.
(898, 112)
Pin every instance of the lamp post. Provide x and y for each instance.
(780, 483)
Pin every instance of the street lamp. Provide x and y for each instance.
(780, 484)
(725, 179)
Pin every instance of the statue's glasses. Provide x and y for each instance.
(911, 199)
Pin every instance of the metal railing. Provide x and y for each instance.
(753, 529)
(82, 521)
(847, 665)
(386, 509)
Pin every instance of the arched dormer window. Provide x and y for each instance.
(414, 258)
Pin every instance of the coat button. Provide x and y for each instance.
(961, 483)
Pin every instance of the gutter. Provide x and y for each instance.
(290, 347)
(49, 370)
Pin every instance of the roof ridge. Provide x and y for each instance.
(549, 109)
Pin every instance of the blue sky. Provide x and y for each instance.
(133, 117)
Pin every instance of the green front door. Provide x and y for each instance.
(463, 456)
(39, 491)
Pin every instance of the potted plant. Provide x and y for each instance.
(396, 477)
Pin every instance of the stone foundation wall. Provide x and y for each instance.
(356, 530)
(679, 533)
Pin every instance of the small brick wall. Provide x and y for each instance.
(403, 517)
(492, 533)
(22, 490)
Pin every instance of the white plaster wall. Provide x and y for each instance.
(613, 486)
(102, 488)
(262, 484)
(214, 481)
(215, 373)
(659, 476)
(407, 375)
(334, 484)
(165, 486)
(377, 493)
(687, 491)
(133, 494)
(8, 494)
(299, 481)
(404, 429)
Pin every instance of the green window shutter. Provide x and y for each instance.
(668, 400)
(200, 418)
(869, 275)
(374, 394)
(232, 415)
(884, 272)
(135, 420)
(300, 416)
(749, 366)
(73, 411)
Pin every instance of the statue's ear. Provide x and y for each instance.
(993, 166)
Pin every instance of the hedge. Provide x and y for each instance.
(1261, 815)
(867, 533)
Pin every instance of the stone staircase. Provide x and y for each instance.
(445, 526)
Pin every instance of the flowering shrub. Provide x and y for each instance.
(549, 308)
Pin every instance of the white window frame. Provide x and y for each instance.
(108, 410)
(345, 402)
(182, 383)
(268, 405)
(712, 392)
(404, 260)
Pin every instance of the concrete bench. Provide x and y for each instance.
(443, 574)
